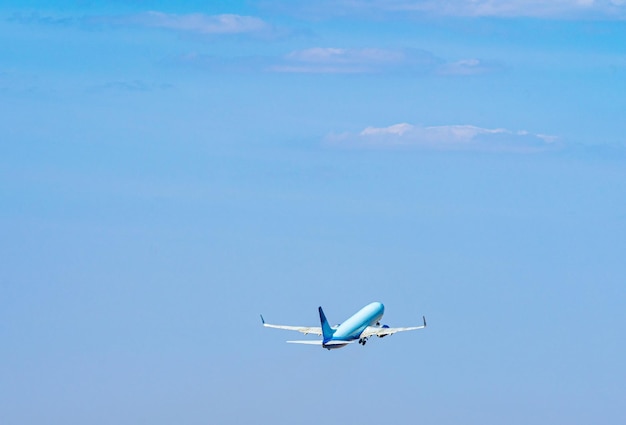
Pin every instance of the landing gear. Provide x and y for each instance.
(362, 341)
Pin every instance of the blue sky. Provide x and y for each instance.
(169, 170)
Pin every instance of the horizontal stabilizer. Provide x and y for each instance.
(340, 342)
(309, 342)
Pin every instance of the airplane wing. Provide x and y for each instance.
(302, 329)
(383, 331)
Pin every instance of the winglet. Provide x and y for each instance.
(262, 319)
(423, 317)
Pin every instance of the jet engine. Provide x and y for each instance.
(383, 327)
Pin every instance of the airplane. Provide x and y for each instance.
(362, 325)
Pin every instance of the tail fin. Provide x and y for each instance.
(327, 332)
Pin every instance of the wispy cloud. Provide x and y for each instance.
(196, 22)
(335, 60)
(467, 67)
(446, 137)
(193, 23)
(36, 18)
(355, 61)
(551, 9)
(518, 8)
(132, 86)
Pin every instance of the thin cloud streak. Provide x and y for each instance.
(193, 23)
(507, 9)
(199, 23)
(540, 9)
(334, 60)
(467, 67)
(446, 137)
(355, 61)
(131, 86)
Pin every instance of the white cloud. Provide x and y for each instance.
(551, 9)
(338, 55)
(329, 60)
(446, 137)
(354, 61)
(336, 60)
(466, 67)
(199, 23)
(395, 130)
